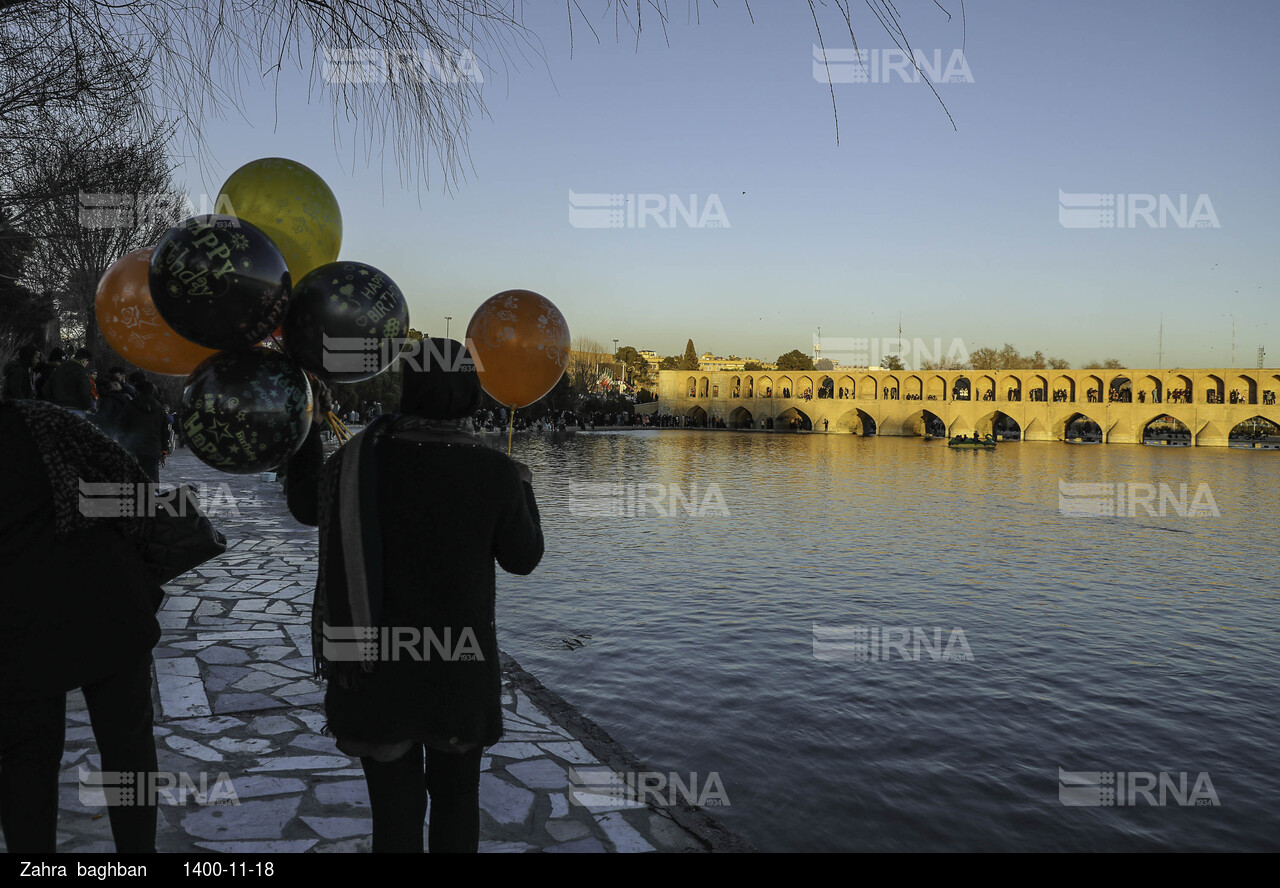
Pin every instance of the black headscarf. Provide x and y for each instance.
(440, 382)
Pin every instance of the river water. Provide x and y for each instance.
(1143, 646)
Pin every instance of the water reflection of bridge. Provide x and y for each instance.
(1044, 405)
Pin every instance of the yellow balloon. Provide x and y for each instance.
(292, 205)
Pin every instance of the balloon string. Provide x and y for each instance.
(511, 422)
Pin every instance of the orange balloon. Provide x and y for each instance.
(520, 343)
(132, 326)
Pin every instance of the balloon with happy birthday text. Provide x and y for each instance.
(133, 327)
(292, 204)
(345, 322)
(219, 282)
(520, 343)
(246, 411)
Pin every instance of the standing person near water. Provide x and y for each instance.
(413, 512)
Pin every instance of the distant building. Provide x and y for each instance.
(652, 359)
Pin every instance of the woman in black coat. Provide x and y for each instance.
(78, 611)
(413, 512)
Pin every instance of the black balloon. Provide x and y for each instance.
(346, 322)
(219, 282)
(246, 411)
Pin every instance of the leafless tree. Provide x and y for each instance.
(407, 75)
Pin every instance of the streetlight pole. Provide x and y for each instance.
(615, 360)
(447, 319)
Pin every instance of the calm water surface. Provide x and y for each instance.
(1142, 644)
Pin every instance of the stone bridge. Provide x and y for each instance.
(1043, 404)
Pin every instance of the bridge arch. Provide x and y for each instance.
(986, 388)
(845, 388)
(1149, 390)
(1077, 425)
(793, 419)
(691, 386)
(1213, 389)
(1255, 429)
(1012, 389)
(961, 389)
(1244, 389)
(913, 388)
(804, 387)
(765, 387)
(856, 422)
(826, 388)
(751, 387)
(924, 422)
(696, 417)
(1162, 428)
(1181, 393)
(937, 389)
(867, 389)
(1037, 388)
(1064, 389)
(704, 387)
(889, 388)
(996, 422)
(1120, 388)
(785, 387)
(740, 418)
(1092, 389)
(735, 387)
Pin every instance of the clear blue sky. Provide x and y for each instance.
(956, 229)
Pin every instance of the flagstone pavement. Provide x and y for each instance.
(237, 706)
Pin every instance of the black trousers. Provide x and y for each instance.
(32, 737)
(398, 793)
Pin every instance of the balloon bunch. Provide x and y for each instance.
(207, 298)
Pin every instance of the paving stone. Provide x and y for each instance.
(279, 846)
(539, 773)
(190, 747)
(258, 819)
(559, 805)
(571, 751)
(222, 655)
(215, 725)
(300, 763)
(505, 848)
(248, 744)
(567, 830)
(346, 792)
(273, 724)
(243, 702)
(248, 786)
(505, 802)
(340, 827)
(625, 837)
(589, 845)
(515, 750)
(315, 743)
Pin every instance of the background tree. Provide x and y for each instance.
(825, 364)
(202, 54)
(690, 360)
(892, 362)
(753, 365)
(671, 362)
(795, 360)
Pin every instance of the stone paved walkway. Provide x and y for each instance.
(237, 707)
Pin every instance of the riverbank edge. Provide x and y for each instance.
(712, 834)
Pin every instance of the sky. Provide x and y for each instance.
(956, 233)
